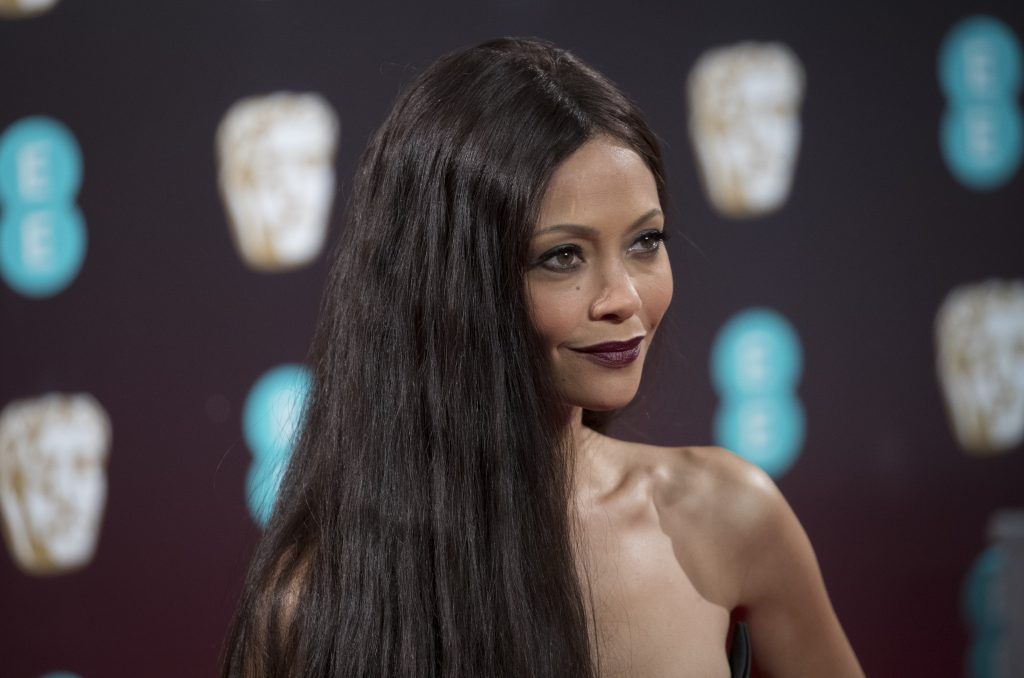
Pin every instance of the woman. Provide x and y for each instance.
(452, 507)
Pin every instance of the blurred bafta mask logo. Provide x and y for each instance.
(276, 171)
(53, 486)
(744, 103)
(16, 9)
(979, 333)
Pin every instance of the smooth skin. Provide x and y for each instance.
(674, 541)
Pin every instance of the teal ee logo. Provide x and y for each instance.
(982, 129)
(42, 233)
(983, 608)
(756, 362)
(271, 419)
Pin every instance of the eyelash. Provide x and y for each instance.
(658, 237)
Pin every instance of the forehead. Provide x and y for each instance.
(602, 179)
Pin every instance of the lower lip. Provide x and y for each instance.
(613, 358)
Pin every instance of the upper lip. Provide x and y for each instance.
(611, 346)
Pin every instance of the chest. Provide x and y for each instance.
(648, 620)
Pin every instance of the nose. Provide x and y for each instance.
(618, 298)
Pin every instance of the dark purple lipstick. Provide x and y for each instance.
(612, 353)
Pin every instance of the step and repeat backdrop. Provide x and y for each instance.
(848, 314)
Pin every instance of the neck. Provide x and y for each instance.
(578, 438)
(573, 430)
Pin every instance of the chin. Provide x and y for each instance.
(604, 399)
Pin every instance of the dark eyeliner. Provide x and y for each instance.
(550, 254)
(658, 236)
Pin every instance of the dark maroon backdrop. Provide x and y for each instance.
(165, 316)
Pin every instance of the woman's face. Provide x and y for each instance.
(598, 272)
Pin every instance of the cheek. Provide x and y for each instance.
(554, 311)
(657, 293)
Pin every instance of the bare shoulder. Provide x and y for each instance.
(708, 501)
(773, 569)
(750, 512)
(728, 469)
(722, 485)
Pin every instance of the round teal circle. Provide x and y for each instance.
(271, 419)
(979, 599)
(767, 431)
(983, 143)
(980, 61)
(985, 656)
(40, 163)
(42, 248)
(273, 410)
(757, 352)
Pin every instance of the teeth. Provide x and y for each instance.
(53, 484)
(744, 124)
(22, 8)
(276, 173)
(979, 334)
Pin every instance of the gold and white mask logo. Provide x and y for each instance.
(979, 334)
(276, 172)
(53, 482)
(744, 103)
(17, 9)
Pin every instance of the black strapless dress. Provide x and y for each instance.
(739, 653)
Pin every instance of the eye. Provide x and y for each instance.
(649, 242)
(560, 258)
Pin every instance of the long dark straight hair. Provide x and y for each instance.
(423, 525)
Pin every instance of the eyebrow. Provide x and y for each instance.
(580, 229)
